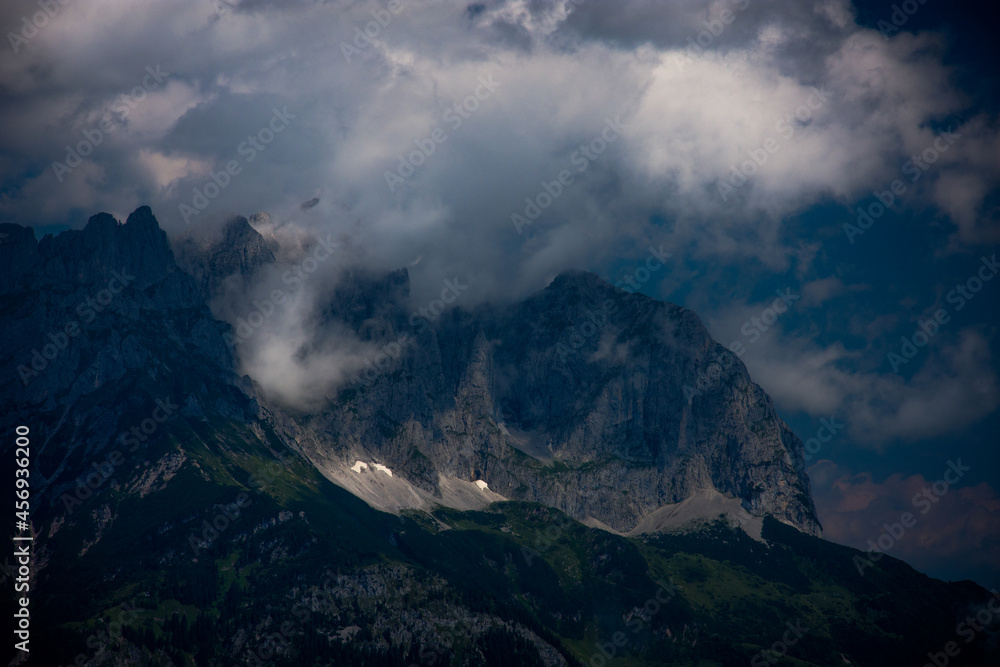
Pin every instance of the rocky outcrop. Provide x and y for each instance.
(576, 398)
(229, 262)
(580, 397)
(98, 325)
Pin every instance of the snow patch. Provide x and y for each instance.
(482, 485)
(379, 466)
(359, 466)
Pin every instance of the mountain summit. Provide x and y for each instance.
(493, 485)
(575, 398)
(578, 397)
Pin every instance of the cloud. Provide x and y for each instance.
(956, 387)
(282, 336)
(788, 104)
(956, 383)
(817, 292)
(740, 119)
(955, 532)
(564, 70)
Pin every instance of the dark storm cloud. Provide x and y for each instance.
(365, 85)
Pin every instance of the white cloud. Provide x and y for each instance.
(955, 387)
(563, 71)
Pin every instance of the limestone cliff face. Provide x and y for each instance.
(77, 257)
(229, 262)
(98, 324)
(573, 398)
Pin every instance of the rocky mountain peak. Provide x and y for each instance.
(230, 261)
(242, 251)
(564, 398)
(19, 258)
(579, 281)
(139, 247)
(102, 312)
(240, 235)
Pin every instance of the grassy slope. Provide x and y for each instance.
(572, 585)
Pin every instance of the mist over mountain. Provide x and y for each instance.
(412, 333)
(559, 399)
(584, 407)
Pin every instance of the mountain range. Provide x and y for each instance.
(581, 477)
